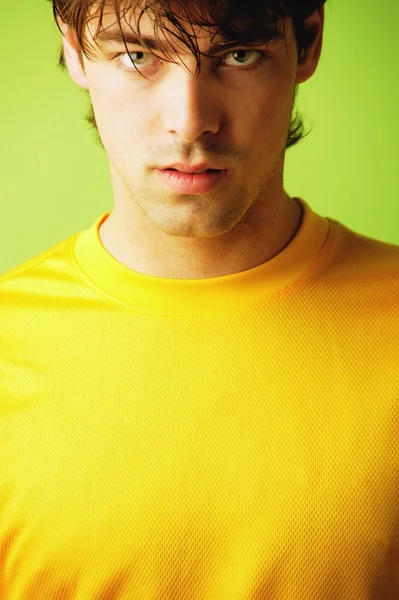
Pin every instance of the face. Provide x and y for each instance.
(235, 114)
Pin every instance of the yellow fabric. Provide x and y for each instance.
(235, 438)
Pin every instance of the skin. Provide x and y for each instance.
(226, 115)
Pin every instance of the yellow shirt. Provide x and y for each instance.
(233, 438)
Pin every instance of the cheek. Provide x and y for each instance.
(109, 93)
(260, 118)
(277, 109)
(118, 115)
(263, 127)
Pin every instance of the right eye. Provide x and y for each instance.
(133, 60)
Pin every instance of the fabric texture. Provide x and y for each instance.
(233, 438)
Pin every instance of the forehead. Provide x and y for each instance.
(129, 21)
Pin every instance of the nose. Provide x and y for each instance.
(193, 105)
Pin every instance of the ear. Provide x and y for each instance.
(73, 57)
(313, 36)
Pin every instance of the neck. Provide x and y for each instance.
(202, 258)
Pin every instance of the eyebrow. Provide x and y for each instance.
(114, 34)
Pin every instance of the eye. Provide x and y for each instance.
(146, 60)
(258, 52)
(135, 61)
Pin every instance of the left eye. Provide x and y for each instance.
(248, 51)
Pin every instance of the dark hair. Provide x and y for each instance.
(235, 21)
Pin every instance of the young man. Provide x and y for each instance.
(199, 395)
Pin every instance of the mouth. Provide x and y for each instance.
(181, 182)
(194, 172)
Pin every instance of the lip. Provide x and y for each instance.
(191, 183)
(183, 168)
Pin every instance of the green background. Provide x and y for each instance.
(55, 180)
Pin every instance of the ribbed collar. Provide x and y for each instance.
(219, 294)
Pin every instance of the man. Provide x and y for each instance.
(199, 395)
(236, 121)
